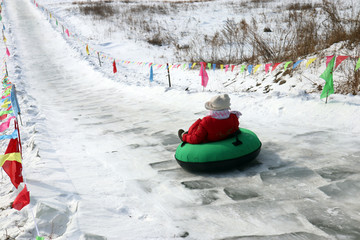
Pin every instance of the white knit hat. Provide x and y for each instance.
(220, 102)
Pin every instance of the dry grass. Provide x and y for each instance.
(100, 10)
(294, 35)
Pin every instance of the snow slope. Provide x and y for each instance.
(98, 154)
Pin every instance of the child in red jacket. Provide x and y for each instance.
(218, 125)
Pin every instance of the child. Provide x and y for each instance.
(218, 125)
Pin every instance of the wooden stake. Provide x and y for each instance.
(7, 74)
(167, 65)
(99, 58)
(327, 95)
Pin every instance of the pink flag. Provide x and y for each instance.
(7, 52)
(275, 65)
(226, 68)
(328, 59)
(267, 66)
(67, 32)
(5, 125)
(339, 59)
(203, 74)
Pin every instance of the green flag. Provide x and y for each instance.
(40, 238)
(357, 65)
(286, 65)
(328, 77)
(242, 68)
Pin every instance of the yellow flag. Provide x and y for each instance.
(310, 61)
(193, 65)
(256, 67)
(4, 39)
(16, 156)
(87, 50)
(5, 104)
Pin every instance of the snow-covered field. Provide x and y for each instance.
(99, 147)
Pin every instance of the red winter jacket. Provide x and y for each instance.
(211, 129)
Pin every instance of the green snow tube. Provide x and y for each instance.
(223, 155)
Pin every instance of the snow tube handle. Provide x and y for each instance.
(237, 142)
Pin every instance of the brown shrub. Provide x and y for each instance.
(98, 9)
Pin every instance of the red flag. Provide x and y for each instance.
(275, 65)
(3, 117)
(339, 59)
(114, 67)
(22, 199)
(13, 167)
(7, 52)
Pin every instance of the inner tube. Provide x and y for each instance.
(223, 155)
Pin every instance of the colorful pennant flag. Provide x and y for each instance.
(328, 77)
(357, 65)
(14, 101)
(275, 65)
(11, 162)
(339, 59)
(5, 125)
(151, 74)
(311, 60)
(13, 135)
(328, 59)
(297, 63)
(114, 67)
(256, 67)
(286, 65)
(250, 67)
(22, 199)
(267, 67)
(204, 75)
(87, 50)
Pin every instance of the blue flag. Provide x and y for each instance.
(13, 135)
(14, 101)
(250, 68)
(297, 63)
(151, 74)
